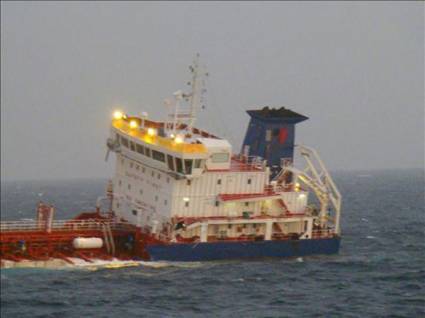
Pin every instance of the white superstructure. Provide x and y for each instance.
(179, 182)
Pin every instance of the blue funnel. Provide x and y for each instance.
(271, 135)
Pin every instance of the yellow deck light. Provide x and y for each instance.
(178, 140)
(118, 114)
(133, 124)
(151, 131)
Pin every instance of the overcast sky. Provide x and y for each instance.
(355, 69)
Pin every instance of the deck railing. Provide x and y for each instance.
(61, 225)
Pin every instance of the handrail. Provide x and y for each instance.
(316, 176)
(62, 225)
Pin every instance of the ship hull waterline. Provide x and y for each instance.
(197, 252)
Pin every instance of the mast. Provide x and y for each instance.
(195, 96)
(187, 115)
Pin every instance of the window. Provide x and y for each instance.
(276, 132)
(141, 191)
(124, 141)
(229, 226)
(158, 156)
(170, 162)
(188, 182)
(186, 204)
(249, 181)
(188, 166)
(217, 203)
(159, 176)
(246, 203)
(134, 212)
(147, 152)
(131, 165)
(140, 149)
(219, 181)
(120, 183)
(156, 198)
(118, 205)
(179, 165)
(168, 180)
(220, 157)
(165, 202)
(129, 186)
(268, 135)
(197, 164)
(132, 146)
(153, 173)
(137, 167)
(143, 169)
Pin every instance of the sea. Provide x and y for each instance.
(379, 272)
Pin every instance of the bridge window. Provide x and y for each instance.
(170, 162)
(179, 165)
(147, 152)
(188, 166)
(124, 141)
(140, 149)
(197, 164)
(220, 157)
(158, 156)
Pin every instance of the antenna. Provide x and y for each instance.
(197, 90)
(186, 115)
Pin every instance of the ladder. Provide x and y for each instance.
(316, 177)
(109, 239)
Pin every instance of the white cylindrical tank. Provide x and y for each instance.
(87, 242)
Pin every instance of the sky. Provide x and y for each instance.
(355, 69)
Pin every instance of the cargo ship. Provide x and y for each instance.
(181, 193)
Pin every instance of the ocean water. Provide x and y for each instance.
(380, 271)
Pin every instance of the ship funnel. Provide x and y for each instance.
(271, 135)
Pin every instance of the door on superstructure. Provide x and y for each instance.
(230, 184)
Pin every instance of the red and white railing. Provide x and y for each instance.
(61, 225)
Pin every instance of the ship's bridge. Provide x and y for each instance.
(180, 152)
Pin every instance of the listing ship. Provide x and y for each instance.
(180, 193)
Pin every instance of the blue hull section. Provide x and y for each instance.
(192, 252)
